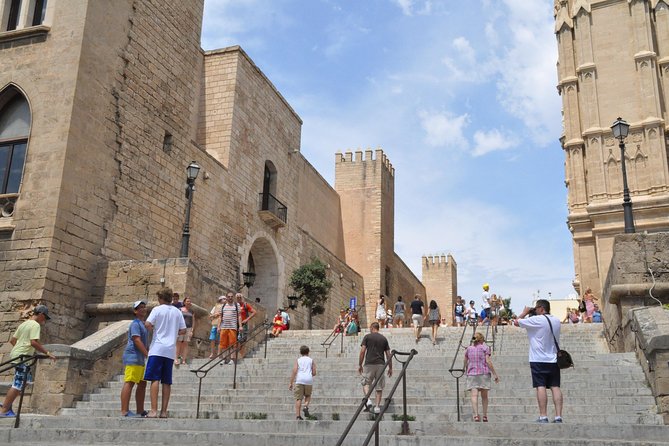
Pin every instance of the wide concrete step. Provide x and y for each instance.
(51, 430)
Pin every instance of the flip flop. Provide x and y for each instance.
(152, 414)
(163, 415)
(485, 419)
(477, 418)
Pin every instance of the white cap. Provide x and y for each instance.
(137, 304)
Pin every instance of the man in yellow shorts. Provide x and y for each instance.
(133, 359)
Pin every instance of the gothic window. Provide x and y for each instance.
(14, 131)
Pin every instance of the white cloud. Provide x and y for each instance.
(445, 130)
(409, 7)
(493, 140)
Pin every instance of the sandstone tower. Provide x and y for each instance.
(613, 61)
(366, 187)
(440, 277)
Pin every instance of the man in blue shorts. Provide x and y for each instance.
(543, 355)
(166, 322)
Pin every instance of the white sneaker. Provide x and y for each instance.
(377, 410)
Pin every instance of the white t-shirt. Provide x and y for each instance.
(542, 345)
(304, 371)
(485, 300)
(167, 321)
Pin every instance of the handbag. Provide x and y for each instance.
(564, 360)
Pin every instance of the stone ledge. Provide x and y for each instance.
(637, 290)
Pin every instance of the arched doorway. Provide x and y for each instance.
(262, 259)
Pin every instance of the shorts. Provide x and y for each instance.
(459, 319)
(213, 334)
(21, 373)
(159, 368)
(134, 374)
(417, 319)
(545, 374)
(243, 333)
(435, 323)
(186, 337)
(228, 338)
(484, 313)
(481, 382)
(398, 317)
(370, 373)
(302, 390)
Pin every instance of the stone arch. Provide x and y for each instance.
(261, 256)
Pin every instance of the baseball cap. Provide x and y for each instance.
(221, 298)
(137, 304)
(42, 309)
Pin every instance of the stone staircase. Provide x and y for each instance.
(607, 401)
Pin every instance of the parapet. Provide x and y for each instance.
(366, 156)
(438, 261)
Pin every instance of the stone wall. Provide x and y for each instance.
(651, 327)
(630, 282)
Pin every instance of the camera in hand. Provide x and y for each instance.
(532, 312)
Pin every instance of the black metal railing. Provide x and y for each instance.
(458, 373)
(332, 337)
(29, 361)
(268, 202)
(374, 430)
(201, 373)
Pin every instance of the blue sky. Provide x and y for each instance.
(460, 95)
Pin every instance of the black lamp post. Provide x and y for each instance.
(249, 279)
(293, 302)
(620, 131)
(191, 174)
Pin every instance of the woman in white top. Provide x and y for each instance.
(381, 311)
(303, 374)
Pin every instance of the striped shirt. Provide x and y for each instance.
(229, 316)
(476, 359)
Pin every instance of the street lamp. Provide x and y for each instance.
(620, 131)
(249, 279)
(293, 302)
(191, 174)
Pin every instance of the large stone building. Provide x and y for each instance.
(613, 61)
(102, 107)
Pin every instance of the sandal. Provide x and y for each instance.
(152, 414)
(163, 414)
(477, 418)
(485, 419)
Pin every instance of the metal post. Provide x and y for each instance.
(266, 338)
(457, 394)
(186, 232)
(199, 393)
(341, 350)
(234, 373)
(17, 421)
(627, 201)
(405, 423)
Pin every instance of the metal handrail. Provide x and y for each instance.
(460, 371)
(10, 364)
(333, 337)
(202, 372)
(268, 202)
(374, 430)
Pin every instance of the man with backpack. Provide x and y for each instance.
(231, 322)
(246, 313)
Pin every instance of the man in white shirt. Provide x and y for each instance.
(541, 327)
(485, 303)
(166, 322)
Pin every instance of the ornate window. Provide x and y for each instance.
(14, 132)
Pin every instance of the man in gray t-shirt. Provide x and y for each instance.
(371, 362)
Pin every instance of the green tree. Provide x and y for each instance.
(312, 286)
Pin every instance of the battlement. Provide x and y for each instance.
(369, 155)
(438, 261)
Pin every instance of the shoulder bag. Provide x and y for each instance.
(564, 360)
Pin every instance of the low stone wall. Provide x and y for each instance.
(639, 268)
(650, 326)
